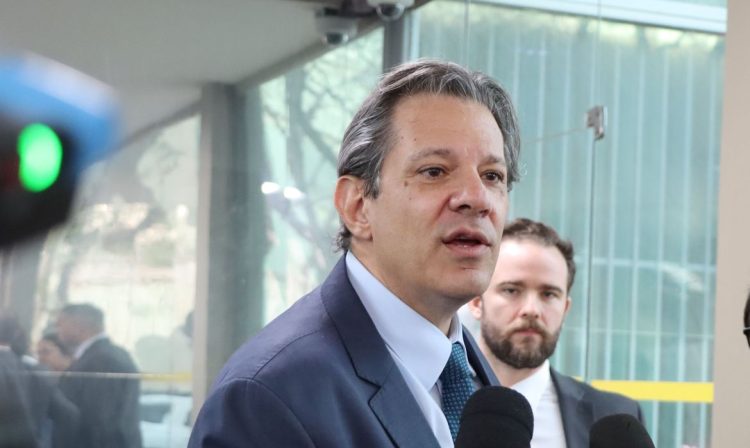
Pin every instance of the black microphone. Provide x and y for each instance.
(496, 417)
(619, 431)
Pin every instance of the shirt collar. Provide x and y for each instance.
(533, 387)
(83, 346)
(420, 346)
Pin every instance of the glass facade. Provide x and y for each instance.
(639, 205)
(305, 112)
(129, 249)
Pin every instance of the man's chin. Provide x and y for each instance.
(525, 361)
(468, 282)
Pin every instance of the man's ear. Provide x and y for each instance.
(475, 306)
(567, 305)
(349, 200)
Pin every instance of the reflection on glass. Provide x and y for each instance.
(128, 251)
(654, 207)
(304, 115)
(102, 380)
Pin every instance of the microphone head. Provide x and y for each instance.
(619, 431)
(496, 417)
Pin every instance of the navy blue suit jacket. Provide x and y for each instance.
(318, 375)
(581, 406)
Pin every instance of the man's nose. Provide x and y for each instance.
(530, 308)
(472, 195)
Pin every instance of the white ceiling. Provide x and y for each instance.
(158, 53)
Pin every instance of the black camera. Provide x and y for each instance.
(54, 122)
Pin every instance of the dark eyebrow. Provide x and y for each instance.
(427, 152)
(494, 159)
(505, 284)
(521, 285)
(445, 152)
(552, 288)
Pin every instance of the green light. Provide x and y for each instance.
(40, 152)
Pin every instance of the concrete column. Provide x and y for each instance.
(231, 231)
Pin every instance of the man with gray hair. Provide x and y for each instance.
(376, 356)
(100, 381)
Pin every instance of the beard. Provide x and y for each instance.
(525, 355)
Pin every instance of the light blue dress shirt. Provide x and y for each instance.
(419, 348)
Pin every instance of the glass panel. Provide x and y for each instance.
(131, 247)
(127, 252)
(721, 3)
(304, 113)
(657, 211)
(648, 314)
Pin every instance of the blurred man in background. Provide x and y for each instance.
(521, 316)
(53, 354)
(17, 429)
(52, 417)
(102, 380)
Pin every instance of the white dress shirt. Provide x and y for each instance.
(540, 392)
(83, 346)
(419, 348)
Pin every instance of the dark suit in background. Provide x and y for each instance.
(581, 406)
(16, 424)
(320, 375)
(55, 418)
(108, 406)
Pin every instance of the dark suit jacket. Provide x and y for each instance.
(108, 406)
(47, 404)
(581, 406)
(318, 375)
(16, 423)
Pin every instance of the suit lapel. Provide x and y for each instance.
(92, 349)
(87, 361)
(401, 417)
(479, 362)
(69, 382)
(577, 413)
(393, 403)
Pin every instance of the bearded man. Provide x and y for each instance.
(521, 315)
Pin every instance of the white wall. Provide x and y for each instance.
(731, 414)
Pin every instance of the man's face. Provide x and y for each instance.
(522, 312)
(51, 356)
(434, 229)
(68, 331)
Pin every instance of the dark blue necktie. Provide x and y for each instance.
(457, 386)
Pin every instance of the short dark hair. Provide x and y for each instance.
(527, 229)
(747, 311)
(86, 314)
(368, 139)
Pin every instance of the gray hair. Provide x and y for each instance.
(368, 138)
